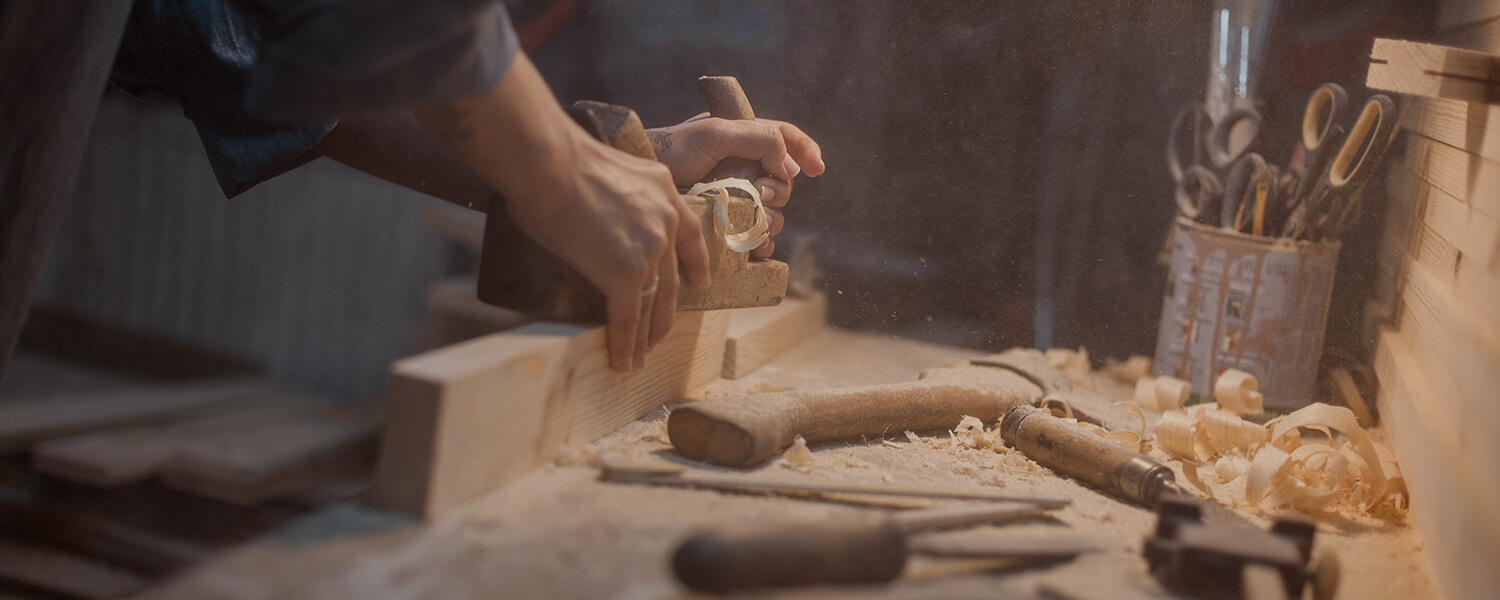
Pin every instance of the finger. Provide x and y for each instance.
(774, 220)
(801, 148)
(624, 308)
(643, 325)
(691, 250)
(765, 250)
(698, 117)
(774, 192)
(665, 305)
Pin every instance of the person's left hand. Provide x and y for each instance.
(692, 148)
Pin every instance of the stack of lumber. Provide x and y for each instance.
(1437, 354)
(130, 484)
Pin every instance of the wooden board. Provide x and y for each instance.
(1470, 179)
(1468, 126)
(1483, 36)
(119, 456)
(757, 335)
(281, 453)
(1459, 519)
(25, 423)
(1467, 13)
(64, 574)
(470, 418)
(1433, 71)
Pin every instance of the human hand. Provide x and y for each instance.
(692, 148)
(616, 218)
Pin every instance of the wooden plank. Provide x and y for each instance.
(1483, 36)
(29, 422)
(1433, 71)
(470, 418)
(280, 454)
(64, 574)
(1462, 13)
(1458, 520)
(1466, 177)
(119, 456)
(1468, 126)
(757, 335)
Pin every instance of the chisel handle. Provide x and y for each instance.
(726, 100)
(806, 555)
(744, 431)
(1068, 449)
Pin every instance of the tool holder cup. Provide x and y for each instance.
(1237, 301)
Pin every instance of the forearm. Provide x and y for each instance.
(398, 148)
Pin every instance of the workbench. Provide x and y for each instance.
(560, 533)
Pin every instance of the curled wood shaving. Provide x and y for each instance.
(1312, 475)
(1179, 435)
(1129, 409)
(1227, 431)
(1133, 369)
(1236, 392)
(717, 192)
(1161, 393)
(1058, 407)
(1073, 364)
(1130, 440)
(1231, 467)
(797, 457)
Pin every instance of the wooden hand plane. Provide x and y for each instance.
(517, 273)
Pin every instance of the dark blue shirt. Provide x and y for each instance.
(264, 80)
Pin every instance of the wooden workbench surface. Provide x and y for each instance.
(559, 533)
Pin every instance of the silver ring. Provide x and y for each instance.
(650, 290)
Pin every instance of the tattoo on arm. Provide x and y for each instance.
(662, 139)
(451, 124)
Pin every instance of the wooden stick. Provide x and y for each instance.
(28, 422)
(757, 335)
(1433, 71)
(732, 483)
(469, 418)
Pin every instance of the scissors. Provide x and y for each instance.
(1200, 183)
(1252, 194)
(1327, 199)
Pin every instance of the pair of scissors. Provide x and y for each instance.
(1253, 195)
(1327, 200)
(1200, 182)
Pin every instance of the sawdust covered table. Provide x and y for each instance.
(560, 533)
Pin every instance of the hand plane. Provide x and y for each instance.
(517, 273)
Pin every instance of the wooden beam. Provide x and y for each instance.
(64, 574)
(118, 456)
(1468, 126)
(1468, 178)
(757, 335)
(469, 418)
(275, 455)
(1459, 519)
(24, 423)
(1467, 13)
(1483, 36)
(1433, 71)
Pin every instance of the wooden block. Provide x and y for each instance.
(469, 418)
(65, 574)
(1457, 517)
(738, 282)
(1452, 184)
(1483, 36)
(1468, 126)
(1433, 71)
(274, 455)
(29, 422)
(1462, 13)
(118, 456)
(757, 335)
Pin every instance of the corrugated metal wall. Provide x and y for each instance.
(318, 273)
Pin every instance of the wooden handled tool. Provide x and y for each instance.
(1064, 447)
(761, 557)
(740, 432)
(726, 100)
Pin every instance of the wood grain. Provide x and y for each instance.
(65, 574)
(1462, 13)
(1468, 126)
(26, 423)
(1458, 517)
(1469, 178)
(1433, 71)
(276, 454)
(469, 418)
(756, 335)
(118, 456)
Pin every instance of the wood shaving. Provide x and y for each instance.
(1073, 364)
(1161, 394)
(798, 457)
(1231, 467)
(717, 192)
(1133, 369)
(1058, 407)
(1236, 392)
(889, 444)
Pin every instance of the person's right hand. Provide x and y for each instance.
(618, 219)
